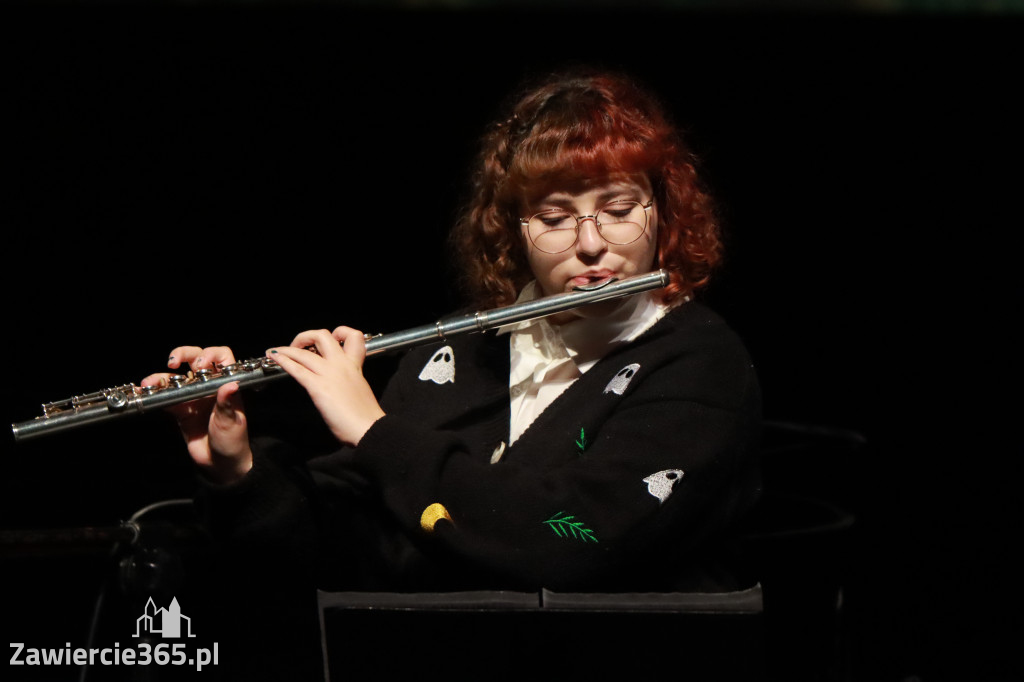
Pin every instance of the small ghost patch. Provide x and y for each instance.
(661, 484)
(621, 379)
(440, 368)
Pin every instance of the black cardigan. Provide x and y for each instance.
(630, 480)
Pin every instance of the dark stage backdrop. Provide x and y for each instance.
(234, 176)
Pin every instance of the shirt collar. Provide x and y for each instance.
(588, 339)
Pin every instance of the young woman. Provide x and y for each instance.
(613, 447)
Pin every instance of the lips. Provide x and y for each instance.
(591, 277)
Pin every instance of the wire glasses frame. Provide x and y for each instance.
(555, 230)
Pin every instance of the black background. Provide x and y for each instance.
(237, 174)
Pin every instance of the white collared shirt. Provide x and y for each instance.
(546, 359)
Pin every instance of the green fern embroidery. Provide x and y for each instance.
(564, 526)
(581, 442)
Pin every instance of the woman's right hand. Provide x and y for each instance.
(215, 428)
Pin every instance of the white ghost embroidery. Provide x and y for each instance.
(621, 379)
(661, 484)
(440, 368)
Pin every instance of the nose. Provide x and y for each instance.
(589, 241)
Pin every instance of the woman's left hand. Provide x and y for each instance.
(333, 377)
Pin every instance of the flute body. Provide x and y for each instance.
(128, 399)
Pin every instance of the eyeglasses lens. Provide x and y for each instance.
(620, 222)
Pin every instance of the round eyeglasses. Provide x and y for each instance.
(619, 222)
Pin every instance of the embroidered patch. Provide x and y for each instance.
(564, 527)
(440, 368)
(498, 452)
(581, 442)
(621, 379)
(431, 515)
(661, 484)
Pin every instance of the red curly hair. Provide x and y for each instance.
(573, 126)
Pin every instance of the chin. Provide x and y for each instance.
(596, 310)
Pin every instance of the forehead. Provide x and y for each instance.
(593, 189)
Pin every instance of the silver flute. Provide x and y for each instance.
(120, 401)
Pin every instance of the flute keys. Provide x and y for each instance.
(117, 400)
(176, 380)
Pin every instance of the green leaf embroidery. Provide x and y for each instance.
(581, 442)
(564, 526)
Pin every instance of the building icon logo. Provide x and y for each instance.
(165, 622)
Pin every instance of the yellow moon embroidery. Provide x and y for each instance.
(432, 514)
